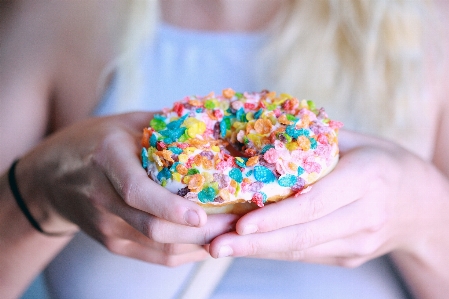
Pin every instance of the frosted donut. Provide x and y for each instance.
(280, 146)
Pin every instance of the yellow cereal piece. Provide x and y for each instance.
(304, 104)
(208, 177)
(256, 139)
(291, 146)
(159, 168)
(215, 148)
(189, 150)
(190, 121)
(183, 158)
(157, 159)
(250, 116)
(176, 176)
(196, 129)
(312, 177)
(224, 193)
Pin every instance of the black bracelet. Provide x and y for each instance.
(21, 203)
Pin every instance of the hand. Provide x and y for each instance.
(375, 201)
(90, 175)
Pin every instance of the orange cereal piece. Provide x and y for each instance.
(233, 184)
(198, 160)
(263, 126)
(228, 93)
(196, 103)
(283, 120)
(271, 95)
(146, 137)
(304, 143)
(249, 127)
(181, 169)
(207, 164)
(252, 161)
(246, 180)
(305, 121)
(167, 155)
(196, 182)
(292, 166)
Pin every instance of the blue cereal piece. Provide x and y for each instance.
(173, 167)
(300, 170)
(144, 155)
(164, 174)
(176, 124)
(153, 140)
(266, 148)
(175, 150)
(258, 114)
(263, 174)
(313, 143)
(223, 128)
(236, 175)
(207, 195)
(293, 132)
(287, 180)
(241, 161)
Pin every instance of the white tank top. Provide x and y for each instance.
(185, 62)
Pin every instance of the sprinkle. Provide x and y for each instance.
(241, 115)
(258, 199)
(295, 133)
(183, 191)
(192, 171)
(223, 128)
(236, 175)
(196, 182)
(144, 155)
(271, 156)
(258, 114)
(164, 174)
(252, 161)
(153, 140)
(176, 124)
(266, 148)
(175, 150)
(287, 180)
(209, 104)
(241, 161)
(263, 126)
(263, 174)
(207, 194)
(228, 93)
(157, 124)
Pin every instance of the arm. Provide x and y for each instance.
(77, 173)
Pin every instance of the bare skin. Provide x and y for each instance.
(51, 56)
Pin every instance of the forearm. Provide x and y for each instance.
(24, 250)
(424, 264)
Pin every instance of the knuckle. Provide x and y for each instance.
(155, 231)
(115, 246)
(297, 255)
(349, 263)
(302, 239)
(169, 261)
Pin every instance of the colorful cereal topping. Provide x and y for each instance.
(283, 145)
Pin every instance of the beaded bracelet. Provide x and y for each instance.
(22, 205)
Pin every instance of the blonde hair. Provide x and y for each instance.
(361, 59)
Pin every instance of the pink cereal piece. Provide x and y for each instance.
(257, 199)
(271, 156)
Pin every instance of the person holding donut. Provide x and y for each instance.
(80, 80)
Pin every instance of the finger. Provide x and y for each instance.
(163, 231)
(116, 228)
(138, 251)
(340, 224)
(118, 159)
(339, 188)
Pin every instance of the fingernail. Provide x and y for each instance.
(249, 229)
(192, 218)
(225, 251)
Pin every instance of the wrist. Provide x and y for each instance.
(34, 204)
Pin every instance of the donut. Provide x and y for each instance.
(235, 152)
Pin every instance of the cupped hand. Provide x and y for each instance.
(370, 204)
(90, 175)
